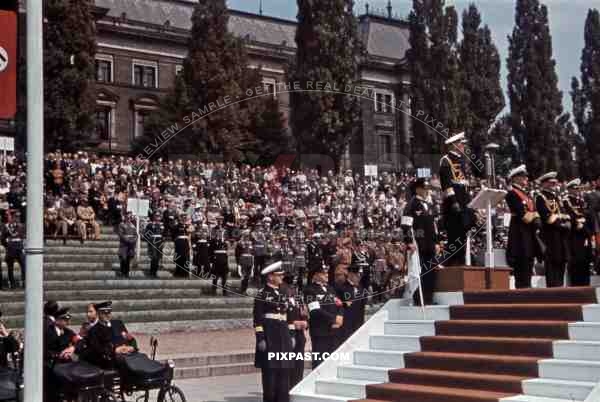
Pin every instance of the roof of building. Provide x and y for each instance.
(389, 40)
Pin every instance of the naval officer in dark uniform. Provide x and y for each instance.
(418, 225)
(154, 236)
(523, 231)
(273, 335)
(458, 217)
(326, 315)
(581, 238)
(556, 225)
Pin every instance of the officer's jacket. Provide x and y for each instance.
(323, 307)
(452, 178)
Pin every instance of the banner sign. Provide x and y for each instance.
(8, 64)
(371, 170)
(7, 144)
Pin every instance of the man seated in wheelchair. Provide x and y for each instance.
(111, 347)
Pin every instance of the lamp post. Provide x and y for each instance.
(490, 171)
(34, 356)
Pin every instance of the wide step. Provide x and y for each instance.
(492, 364)
(531, 311)
(517, 329)
(457, 379)
(582, 295)
(488, 345)
(421, 393)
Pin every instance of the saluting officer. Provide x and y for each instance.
(523, 232)
(326, 314)
(273, 336)
(456, 214)
(556, 225)
(581, 236)
(127, 243)
(154, 237)
(419, 226)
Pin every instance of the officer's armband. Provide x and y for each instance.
(314, 306)
(407, 221)
(259, 329)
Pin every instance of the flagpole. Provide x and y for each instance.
(34, 357)
(421, 298)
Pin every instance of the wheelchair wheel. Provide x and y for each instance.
(171, 393)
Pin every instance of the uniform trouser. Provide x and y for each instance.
(182, 257)
(202, 264)
(125, 265)
(427, 279)
(320, 345)
(82, 229)
(259, 265)
(297, 372)
(522, 270)
(220, 272)
(555, 273)
(457, 239)
(10, 263)
(276, 384)
(579, 272)
(300, 279)
(246, 272)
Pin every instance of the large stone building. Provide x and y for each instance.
(142, 44)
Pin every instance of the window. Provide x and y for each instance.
(102, 124)
(140, 119)
(385, 147)
(145, 74)
(270, 86)
(104, 68)
(384, 101)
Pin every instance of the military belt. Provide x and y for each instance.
(278, 317)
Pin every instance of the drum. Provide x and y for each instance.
(246, 260)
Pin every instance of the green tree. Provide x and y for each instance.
(586, 97)
(535, 101)
(69, 49)
(480, 73)
(328, 51)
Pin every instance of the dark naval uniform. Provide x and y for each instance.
(314, 256)
(296, 313)
(458, 218)
(154, 236)
(354, 298)
(244, 258)
(219, 259)
(523, 241)
(323, 306)
(424, 232)
(201, 246)
(580, 242)
(13, 239)
(182, 250)
(556, 226)
(273, 336)
(259, 250)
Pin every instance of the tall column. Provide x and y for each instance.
(34, 356)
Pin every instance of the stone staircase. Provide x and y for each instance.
(76, 274)
(537, 345)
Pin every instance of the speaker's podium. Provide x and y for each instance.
(467, 277)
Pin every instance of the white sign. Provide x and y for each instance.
(371, 170)
(423, 173)
(7, 143)
(3, 59)
(138, 206)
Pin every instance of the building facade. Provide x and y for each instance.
(141, 45)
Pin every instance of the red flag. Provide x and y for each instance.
(8, 64)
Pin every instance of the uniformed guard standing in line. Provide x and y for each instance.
(556, 225)
(458, 218)
(326, 315)
(154, 236)
(354, 299)
(523, 231)
(182, 247)
(581, 236)
(244, 258)
(314, 255)
(13, 238)
(297, 316)
(127, 243)
(419, 225)
(273, 336)
(201, 246)
(259, 249)
(219, 259)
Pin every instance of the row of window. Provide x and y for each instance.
(104, 123)
(144, 73)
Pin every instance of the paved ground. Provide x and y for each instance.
(238, 388)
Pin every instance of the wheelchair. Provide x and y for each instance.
(135, 379)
